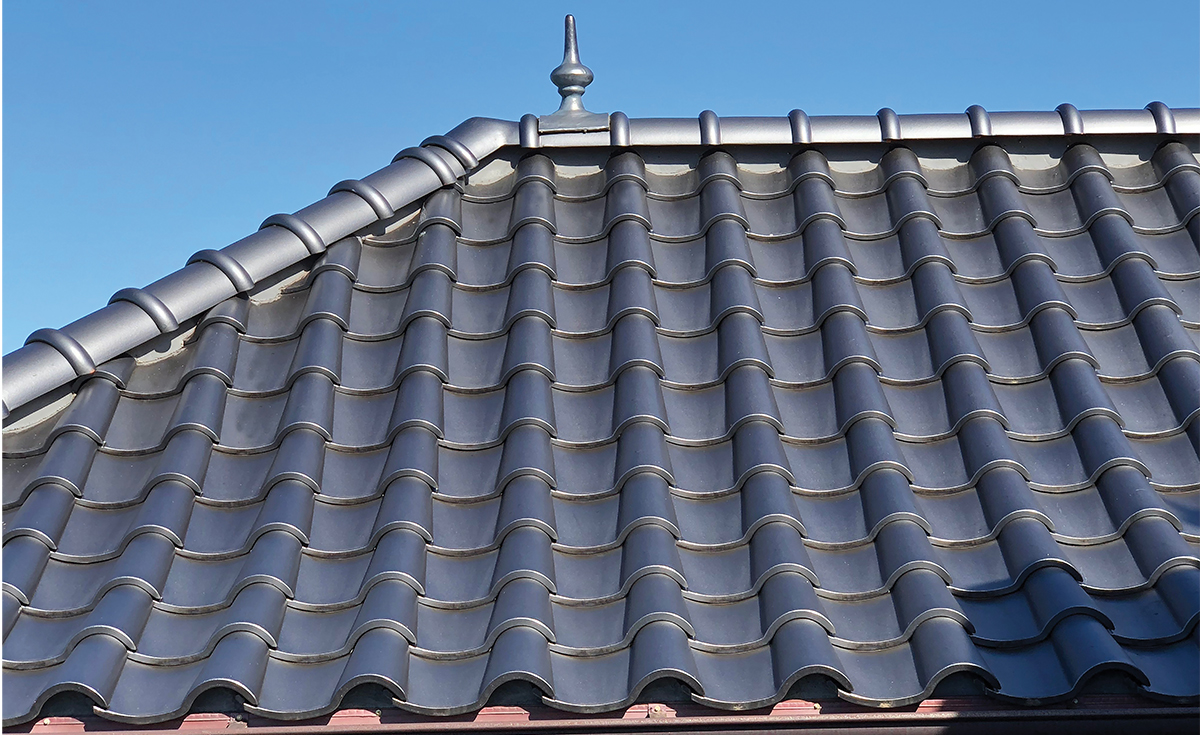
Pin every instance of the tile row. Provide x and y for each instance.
(457, 518)
(1077, 649)
(710, 397)
(156, 634)
(198, 579)
(899, 307)
(383, 264)
(865, 442)
(872, 465)
(1031, 175)
(1063, 212)
(1125, 362)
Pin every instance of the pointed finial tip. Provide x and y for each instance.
(571, 76)
(570, 41)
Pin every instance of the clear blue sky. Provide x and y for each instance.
(136, 133)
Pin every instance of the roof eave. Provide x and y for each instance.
(963, 714)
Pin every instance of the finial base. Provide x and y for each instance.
(573, 121)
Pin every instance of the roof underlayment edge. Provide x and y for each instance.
(53, 358)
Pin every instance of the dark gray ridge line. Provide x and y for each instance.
(883, 127)
(298, 227)
(368, 194)
(155, 309)
(435, 162)
(889, 124)
(1164, 119)
(981, 122)
(453, 146)
(67, 346)
(1072, 122)
(710, 128)
(229, 267)
(53, 358)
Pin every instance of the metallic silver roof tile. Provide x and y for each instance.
(590, 430)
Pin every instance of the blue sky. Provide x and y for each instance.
(136, 133)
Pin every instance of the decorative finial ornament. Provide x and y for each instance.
(572, 78)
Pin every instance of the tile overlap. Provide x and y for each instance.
(880, 424)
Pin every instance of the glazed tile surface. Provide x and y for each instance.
(879, 424)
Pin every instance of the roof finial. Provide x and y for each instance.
(572, 77)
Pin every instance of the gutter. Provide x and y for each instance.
(52, 358)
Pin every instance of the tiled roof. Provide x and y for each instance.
(585, 403)
(588, 418)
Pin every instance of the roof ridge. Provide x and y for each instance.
(885, 126)
(52, 358)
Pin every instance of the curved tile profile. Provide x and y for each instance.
(237, 663)
(93, 670)
(603, 418)
(603, 683)
(1078, 649)
(1165, 613)
(799, 649)
(454, 687)
(381, 657)
(910, 672)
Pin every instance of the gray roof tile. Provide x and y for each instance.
(733, 417)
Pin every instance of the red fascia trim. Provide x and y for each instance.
(953, 714)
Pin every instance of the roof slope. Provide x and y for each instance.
(591, 417)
